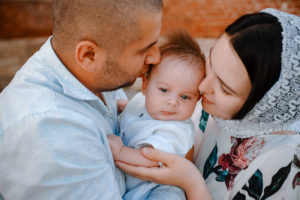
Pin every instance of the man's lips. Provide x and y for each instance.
(205, 100)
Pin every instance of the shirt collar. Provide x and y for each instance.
(71, 85)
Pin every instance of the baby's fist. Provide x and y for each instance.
(116, 145)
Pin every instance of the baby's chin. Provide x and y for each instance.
(162, 117)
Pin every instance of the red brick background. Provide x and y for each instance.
(208, 18)
(25, 18)
(203, 18)
(26, 24)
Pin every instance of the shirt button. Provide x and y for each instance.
(109, 115)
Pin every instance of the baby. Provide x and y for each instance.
(160, 116)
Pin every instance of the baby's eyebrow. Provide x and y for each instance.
(190, 93)
(162, 83)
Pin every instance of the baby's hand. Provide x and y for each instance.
(121, 104)
(116, 144)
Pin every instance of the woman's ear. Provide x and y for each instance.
(88, 55)
(144, 83)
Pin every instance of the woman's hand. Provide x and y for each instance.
(176, 171)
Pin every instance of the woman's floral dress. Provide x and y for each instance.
(258, 167)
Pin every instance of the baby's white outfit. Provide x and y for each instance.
(138, 130)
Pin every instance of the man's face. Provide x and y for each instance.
(123, 69)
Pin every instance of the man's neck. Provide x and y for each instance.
(101, 97)
(78, 73)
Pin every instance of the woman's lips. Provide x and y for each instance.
(205, 100)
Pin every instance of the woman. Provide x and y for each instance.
(252, 90)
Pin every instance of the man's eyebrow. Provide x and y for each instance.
(217, 76)
(148, 47)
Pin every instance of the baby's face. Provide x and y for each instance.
(172, 89)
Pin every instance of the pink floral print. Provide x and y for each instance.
(243, 151)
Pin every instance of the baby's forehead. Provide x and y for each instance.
(184, 60)
(177, 70)
(177, 64)
(196, 66)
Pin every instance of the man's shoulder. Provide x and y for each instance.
(23, 100)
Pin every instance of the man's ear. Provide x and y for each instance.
(88, 55)
(144, 83)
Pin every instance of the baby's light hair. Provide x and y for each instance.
(181, 44)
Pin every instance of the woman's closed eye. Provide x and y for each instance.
(223, 90)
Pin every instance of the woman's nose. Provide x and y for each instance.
(206, 85)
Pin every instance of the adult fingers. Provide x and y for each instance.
(134, 170)
(158, 156)
(151, 174)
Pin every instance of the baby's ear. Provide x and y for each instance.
(144, 83)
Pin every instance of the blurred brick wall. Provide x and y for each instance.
(26, 24)
(203, 18)
(25, 18)
(13, 54)
(208, 18)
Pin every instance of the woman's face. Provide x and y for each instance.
(227, 84)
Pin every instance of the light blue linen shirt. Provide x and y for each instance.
(53, 132)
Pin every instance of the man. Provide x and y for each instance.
(59, 108)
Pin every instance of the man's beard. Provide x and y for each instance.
(111, 88)
(130, 83)
(112, 71)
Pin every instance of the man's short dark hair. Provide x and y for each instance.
(105, 22)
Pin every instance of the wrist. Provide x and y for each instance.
(118, 152)
(196, 188)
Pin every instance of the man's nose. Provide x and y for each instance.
(153, 56)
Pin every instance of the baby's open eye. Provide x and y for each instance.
(185, 97)
(163, 90)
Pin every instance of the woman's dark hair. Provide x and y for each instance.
(257, 40)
